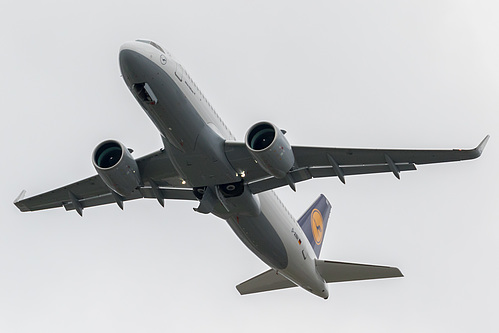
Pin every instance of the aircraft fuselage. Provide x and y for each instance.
(194, 137)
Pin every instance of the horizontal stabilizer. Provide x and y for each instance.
(335, 271)
(269, 280)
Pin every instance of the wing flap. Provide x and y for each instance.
(303, 174)
(269, 280)
(315, 162)
(145, 192)
(335, 271)
(317, 156)
(89, 187)
(92, 191)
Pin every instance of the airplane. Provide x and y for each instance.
(202, 161)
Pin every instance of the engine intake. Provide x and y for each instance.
(268, 146)
(116, 166)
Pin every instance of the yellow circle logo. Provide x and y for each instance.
(317, 226)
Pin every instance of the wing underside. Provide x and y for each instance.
(161, 182)
(317, 162)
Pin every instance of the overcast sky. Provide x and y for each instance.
(387, 74)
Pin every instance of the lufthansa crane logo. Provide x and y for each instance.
(317, 226)
(162, 58)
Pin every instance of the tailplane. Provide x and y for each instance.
(331, 271)
(314, 222)
(335, 271)
(269, 280)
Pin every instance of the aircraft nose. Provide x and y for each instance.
(128, 64)
(132, 45)
(132, 61)
(145, 47)
(137, 57)
(130, 52)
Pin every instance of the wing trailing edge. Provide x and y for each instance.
(317, 162)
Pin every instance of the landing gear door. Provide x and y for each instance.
(179, 72)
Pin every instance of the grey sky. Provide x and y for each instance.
(391, 74)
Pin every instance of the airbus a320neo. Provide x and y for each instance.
(202, 161)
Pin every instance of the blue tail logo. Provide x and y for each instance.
(314, 222)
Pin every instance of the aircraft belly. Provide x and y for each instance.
(269, 235)
(207, 164)
(260, 236)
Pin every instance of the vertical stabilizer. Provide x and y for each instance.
(314, 222)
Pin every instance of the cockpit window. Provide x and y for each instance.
(151, 43)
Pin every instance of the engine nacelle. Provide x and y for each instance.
(267, 144)
(116, 166)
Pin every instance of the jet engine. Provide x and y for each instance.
(116, 166)
(268, 146)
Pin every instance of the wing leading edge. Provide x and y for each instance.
(161, 182)
(316, 162)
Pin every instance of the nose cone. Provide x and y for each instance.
(146, 48)
(131, 49)
(133, 60)
(138, 58)
(130, 46)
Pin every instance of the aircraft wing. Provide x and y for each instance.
(316, 162)
(160, 179)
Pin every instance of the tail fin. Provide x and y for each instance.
(314, 222)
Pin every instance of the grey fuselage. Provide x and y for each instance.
(194, 138)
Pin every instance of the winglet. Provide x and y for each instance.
(20, 196)
(476, 152)
(19, 202)
(482, 145)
